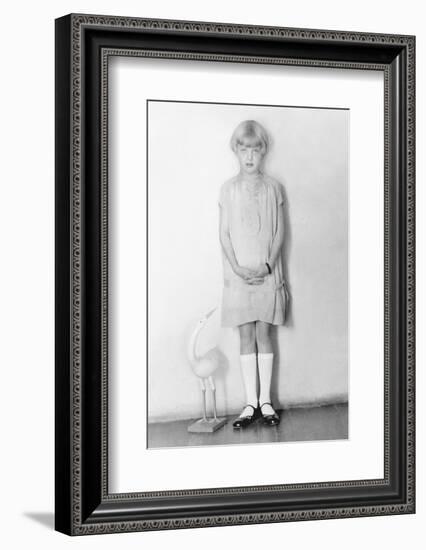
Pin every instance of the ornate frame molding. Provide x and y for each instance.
(72, 47)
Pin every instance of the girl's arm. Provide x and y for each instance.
(225, 241)
(277, 245)
(278, 241)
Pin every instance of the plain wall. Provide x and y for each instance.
(189, 159)
(27, 296)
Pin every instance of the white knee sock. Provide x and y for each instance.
(248, 368)
(265, 377)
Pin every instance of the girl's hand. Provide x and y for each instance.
(255, 281)
(248, 275)
(259, 275)
(262, 271)
(244, 272)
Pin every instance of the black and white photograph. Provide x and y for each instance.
(212, 235)
(247, 273)
(234, 265)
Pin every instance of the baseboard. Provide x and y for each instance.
(324, 402)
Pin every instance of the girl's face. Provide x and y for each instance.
(250, 155)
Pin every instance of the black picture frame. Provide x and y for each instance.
(82, 502)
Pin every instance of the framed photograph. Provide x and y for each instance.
(234, 274)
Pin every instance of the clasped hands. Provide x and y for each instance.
(252, 276)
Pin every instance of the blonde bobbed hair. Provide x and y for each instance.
(252, 131)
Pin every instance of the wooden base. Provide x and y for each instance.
(206, 426)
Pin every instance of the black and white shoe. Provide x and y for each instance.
(270, 419)
(244, 421)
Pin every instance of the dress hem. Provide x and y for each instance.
(234, 325)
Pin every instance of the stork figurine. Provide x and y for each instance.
(203, 367)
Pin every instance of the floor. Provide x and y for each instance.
(298, 424)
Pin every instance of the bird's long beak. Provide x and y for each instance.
(210, 313)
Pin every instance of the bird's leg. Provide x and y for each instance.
(203, 390)
(213, 388)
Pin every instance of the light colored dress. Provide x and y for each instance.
(252, 214)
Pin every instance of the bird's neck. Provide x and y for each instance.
(192, 344)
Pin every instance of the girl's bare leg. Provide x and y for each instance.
(263, 337)
(248, 365)
(265, 360)
(247, 338)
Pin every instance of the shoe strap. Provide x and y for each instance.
(249, 416)
(266, 403)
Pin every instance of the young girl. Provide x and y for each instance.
(254, 293)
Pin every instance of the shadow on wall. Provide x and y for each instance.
(289, 320)
(286, 257)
